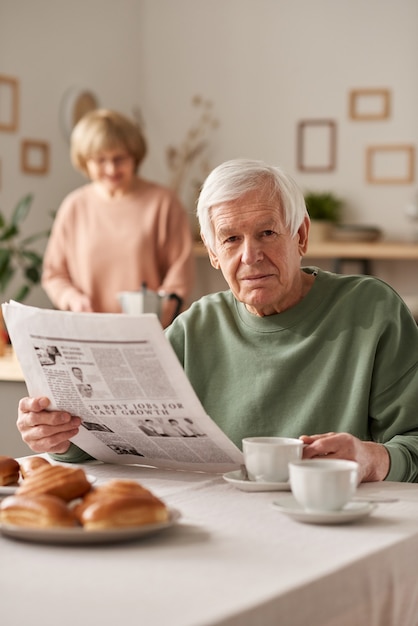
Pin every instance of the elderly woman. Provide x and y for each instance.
(118, 232)
(288, 351)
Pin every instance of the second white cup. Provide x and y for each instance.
(323, 484)
(267, 458)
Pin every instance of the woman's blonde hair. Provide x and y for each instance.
(102, 130)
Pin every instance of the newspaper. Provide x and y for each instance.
(120, 374)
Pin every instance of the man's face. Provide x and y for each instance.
(257, 255)
(78, 373)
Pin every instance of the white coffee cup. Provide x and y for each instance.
(267, 458)
(323, 484)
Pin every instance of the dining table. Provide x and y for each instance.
(231, 557)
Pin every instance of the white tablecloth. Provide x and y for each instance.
(233, 560)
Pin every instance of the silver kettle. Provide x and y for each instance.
(146, 301)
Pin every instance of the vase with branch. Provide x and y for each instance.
(188, 162)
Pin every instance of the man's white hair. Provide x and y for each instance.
(233, 179)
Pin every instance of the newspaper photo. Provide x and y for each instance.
(120, 375)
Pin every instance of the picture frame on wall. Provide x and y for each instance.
(9, 104)
(369, 104)
(390, 164)
(317, 145)
(34, 157)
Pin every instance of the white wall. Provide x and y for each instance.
(265, 64)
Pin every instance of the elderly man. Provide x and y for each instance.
(287, 350)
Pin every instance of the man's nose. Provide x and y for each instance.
(251, 251)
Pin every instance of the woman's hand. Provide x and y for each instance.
(169, 310)
(45, 431)
(373, 458)
(80, 304)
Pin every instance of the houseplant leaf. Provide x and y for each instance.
(6, 276)
(22, 209)
(9, 231)
(22, 293)
(323, 206)
(17, 258)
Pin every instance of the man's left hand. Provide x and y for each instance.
(373, 458)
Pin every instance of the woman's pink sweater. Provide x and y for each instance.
(102, 246)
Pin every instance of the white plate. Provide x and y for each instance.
(9, 490)
(351, 512)
(78, 536)
(238, 479)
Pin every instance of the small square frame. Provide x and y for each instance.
(369, 96)
(11, 123)
(372, 153)
(330, 139)
(34, 157)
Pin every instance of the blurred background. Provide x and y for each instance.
(212, 80)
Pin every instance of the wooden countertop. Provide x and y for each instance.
(389, 250)
(9, 366)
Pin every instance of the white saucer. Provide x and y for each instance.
(238, 479)
(351, 512)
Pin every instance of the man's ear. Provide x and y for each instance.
(212, 256)
(303, 233)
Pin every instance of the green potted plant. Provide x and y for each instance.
(324, 209)
(20, 262)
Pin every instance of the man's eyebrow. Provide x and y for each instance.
(222, 232)
(270, 224)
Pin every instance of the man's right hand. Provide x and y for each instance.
(45, 431)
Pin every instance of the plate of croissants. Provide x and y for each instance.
(53, 503)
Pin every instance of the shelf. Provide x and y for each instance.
(395, 250)
(388, 250)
